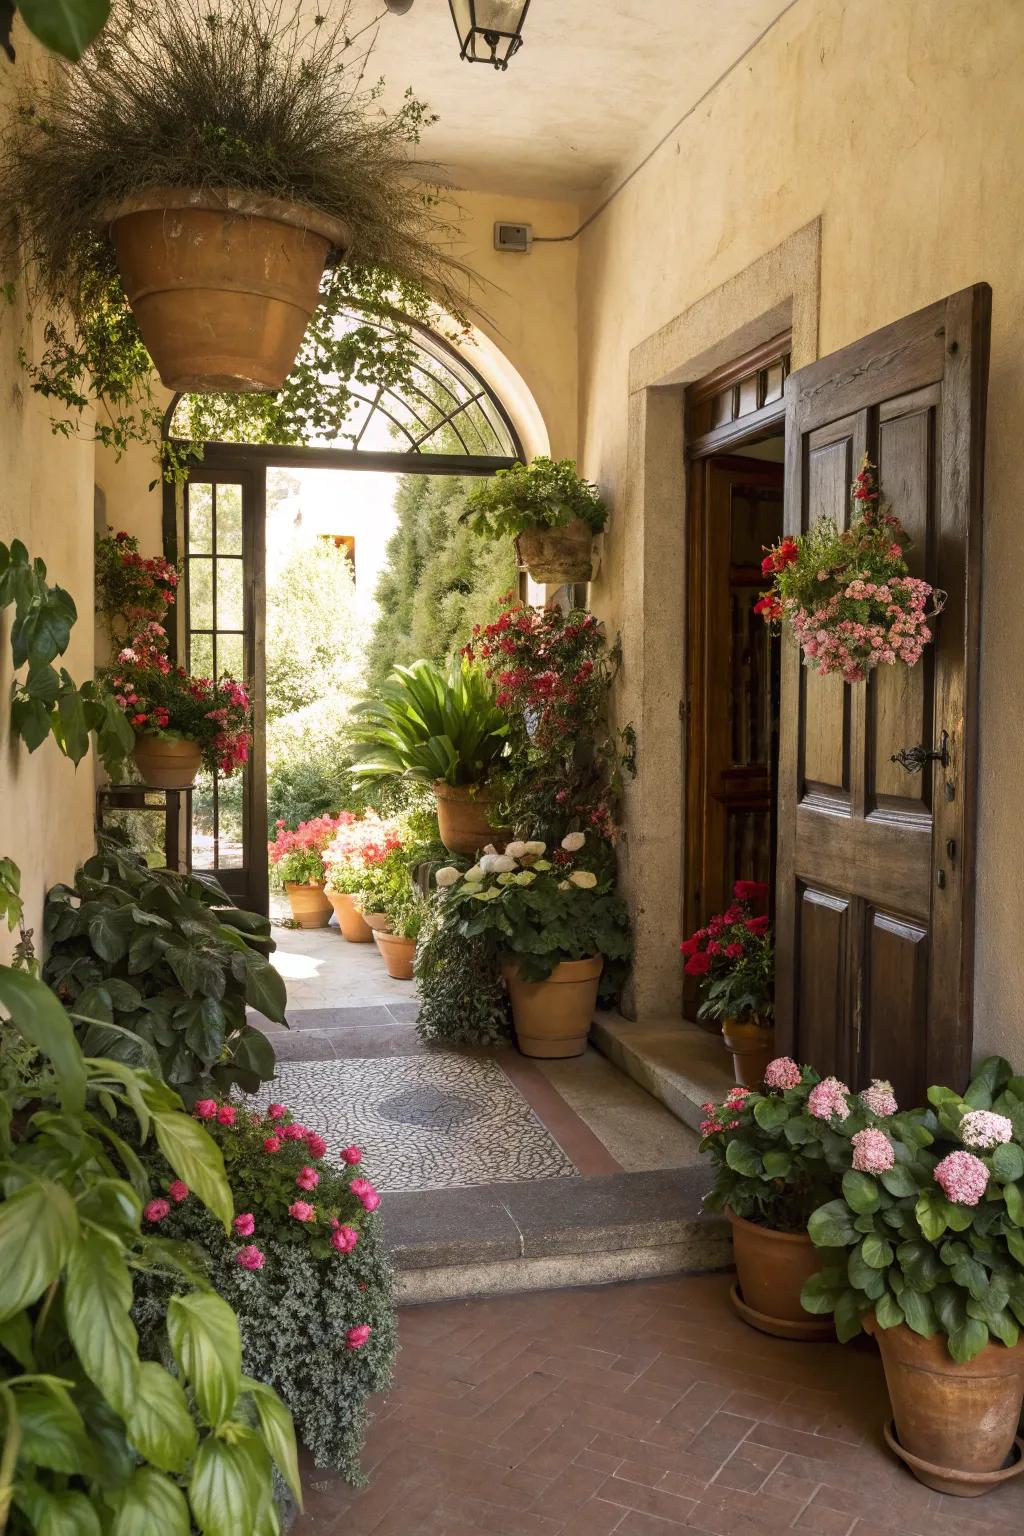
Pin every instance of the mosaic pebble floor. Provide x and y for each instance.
(422, 1122)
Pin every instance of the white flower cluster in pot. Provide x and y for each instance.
(520, 864)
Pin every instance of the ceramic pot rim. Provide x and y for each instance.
(473, 794)
(232, 200)
(769, 1233)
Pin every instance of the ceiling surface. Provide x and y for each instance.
(594, 86)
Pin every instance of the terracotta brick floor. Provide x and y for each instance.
(641, 1409)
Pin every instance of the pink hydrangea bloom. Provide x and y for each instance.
(872, 1151)
(316, 1144)
(156, 1210)
(879, 1098)
(205, 1109)
(178, 1191)
(344, 1239)
(351, 1155)
(827, 1100)
(355, 1338)
(983, 1128)
(227, 1114)
(307, 1179)
(250, 1257)
(301, 1211)
(295, 1133)
(276, 1111)
(962, 1177)
(783, 1072)
(272, 1144)
(245, 1224)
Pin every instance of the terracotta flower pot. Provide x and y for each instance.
(166, 762)
(221, 281)
(752, 1045)
(350, 919)
(553, 1017)
(463, 819)
(771, 1270)
(397, 954)
(309, 904)
(955, 1425)
(556, 556)
(377, 922)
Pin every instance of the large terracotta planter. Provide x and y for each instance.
(309, 903)
(397, 953)
(557, 556)
(350, 920)
(771, 1271)
(752, 1045)
(955, 1425)
(167, 763)
(552, 1018)
(222, 282)
(463, 819)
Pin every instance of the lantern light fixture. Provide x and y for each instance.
(490, 31)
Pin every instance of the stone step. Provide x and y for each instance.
(547, 1233)
(678, 1063)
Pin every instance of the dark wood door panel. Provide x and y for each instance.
(860, 857)
(896, 1007)
(824, 949)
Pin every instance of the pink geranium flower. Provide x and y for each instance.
(276, 1111)
(205, 1109)
(872, 1151)
(295, 1133)
(344, 1239)
(245, 1224)
(178, 1191)
(307, 1179)
(984, 1128)
(355, 1338)
(250, 1257)
(156, 1210)
(351, 1155)
(273, 1144)
(828, 1100)
(227, 1114)
(301, 1211)
(316, 1144)
(879, 1098)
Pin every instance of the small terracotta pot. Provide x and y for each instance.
(771, 1271)
(377, 922)
(166, 763)
(553, 1017)
(309, 903)
(397, 953)
(221, 281)
(557, 556)
(955, 1425)
(463, 819)
(350, 919)
(752, 1045)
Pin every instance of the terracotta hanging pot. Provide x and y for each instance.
(350, 920)
(397, 953)
(222, 282)
(167, 762)
(752, 1045)
(771, 1271)
(955, 1425)
(557, 556)
(552, 1018)
(463, 822)
(309, 904)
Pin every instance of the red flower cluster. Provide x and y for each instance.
(778, 558)
(733, 955)
(157, 697)
(132, 590)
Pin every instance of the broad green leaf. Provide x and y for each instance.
(159, 1424)
(37, 1015)
(1014, 1197)
(254, 1054)
(972, 1276)
(967, 1340)
(228, 1483)
(16, 1338)
(777, 1165)
(204, 1336)
(197, 1159)
(876, 1252)
(931, 1215)
(278, 1432)
(918, 1312)
(860, 1192)
(66, 26)
(831, 1226)
(849, 1313)
(52, 1433)
(888, 1312)
(898, 1181)
(742, 1158)
(821, 1293)
(57, 1514)
(151, 1504)
(770, 1114)
(97, 1307)
(264, 988)
(1008, 1162)
(38, 1229)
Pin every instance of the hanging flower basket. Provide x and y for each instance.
(847, 592)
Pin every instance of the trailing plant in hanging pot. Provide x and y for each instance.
(733, 959)
(550, 511)
(847, 592)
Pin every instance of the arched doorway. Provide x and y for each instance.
(442, 418)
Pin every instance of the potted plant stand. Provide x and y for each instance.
(397, 953)
(309, 903)
(351, 923)
(771, 1270)
(463, 819)
(752, 1045)
(552, 1018)
(167, 762)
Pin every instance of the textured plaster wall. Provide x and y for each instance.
(901, 126)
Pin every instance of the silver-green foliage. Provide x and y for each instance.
(462, 996)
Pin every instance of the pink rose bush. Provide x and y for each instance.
(927, 1227)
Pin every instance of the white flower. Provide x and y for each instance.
(500, 862)
(447, 876)
(535, 848)
(526, 878)
(490, 848)
(572, 842)
(584, 878)
(541, 865)
(474, 874)
(563, 885)
(516, 850)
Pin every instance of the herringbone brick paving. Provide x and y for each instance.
(644, 1409)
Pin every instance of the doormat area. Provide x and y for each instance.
(433, 1122)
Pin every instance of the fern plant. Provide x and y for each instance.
(426, 726)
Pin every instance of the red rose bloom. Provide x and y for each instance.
(757, 924)
(691, 946)
(698, 964)
(750, 890)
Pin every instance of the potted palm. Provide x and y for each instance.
(438, 728)
(778, 1155)
(733, 960)
(924, 1248)
(555, 924)
(550, 512)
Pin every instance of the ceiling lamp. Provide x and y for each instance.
(490, 31)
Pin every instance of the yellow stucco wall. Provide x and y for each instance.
(900, 125)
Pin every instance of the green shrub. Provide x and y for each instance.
(546, 493)
(426, 725)
(461, 993)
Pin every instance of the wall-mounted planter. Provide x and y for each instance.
(167, 762)
(557, 556)
(222, 282)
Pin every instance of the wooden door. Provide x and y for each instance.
(875, 884)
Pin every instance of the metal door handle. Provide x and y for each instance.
(913, 759)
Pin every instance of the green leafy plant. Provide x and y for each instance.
(65, 26)
(929, 1228)
(427, 726)
(461, 993)
(261, 96)
(546, 493)
(159, 968)
(46, 701)
(131, 590)
(733, 958)
(94, 1436)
